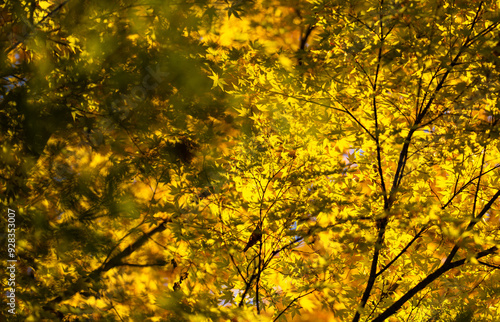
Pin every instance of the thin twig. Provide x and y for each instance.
(291, 303)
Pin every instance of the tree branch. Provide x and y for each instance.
(489, 265)
(238, 269)
(426, 281)
(50, 14)
(381, 223)
(402, 251)
(160, 263)
(106, 266)
(291, 303)
(456, 193)
(472, 223)
(303, 41)
(247, 288)
(303, 38)
(117, 259)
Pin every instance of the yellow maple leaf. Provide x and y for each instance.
(217, 81)
(44, 4)
(307, 304)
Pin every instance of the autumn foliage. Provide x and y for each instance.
(251, 160)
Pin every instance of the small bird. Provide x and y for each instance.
(254, 238)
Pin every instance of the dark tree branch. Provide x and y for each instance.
(247, 288)
(456, 193)
(114, 309)
(238, 269)
(420, 116)
(426, 281)
(277, 251)
(423, 112)
(447, 265)
(381, 223)
(121, 239)
(115, 261)
(489, 265)
(343, 109)
(388, 199)
(472, 223)
(50, 14)
(303, 41)
(476, 194)
(160, 263)
(305, 36)
(259, 272)
(402, 251)
(291, 303)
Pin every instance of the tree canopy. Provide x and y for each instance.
(251, 160)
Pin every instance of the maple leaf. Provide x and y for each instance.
(217, 81)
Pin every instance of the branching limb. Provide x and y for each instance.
(291, 303)
(426, 281)
(456, 193)
(476, 194)
(247, 288)
(303, 41)
(121, 239)
(115, 261)
(160, 263)
(238, 269)
(114, 309)
(305, 36)
(277, 251)
(50, 14)
(472, 223)
(381, 223)
(489, 265)
(343, 109)
(402, 251)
